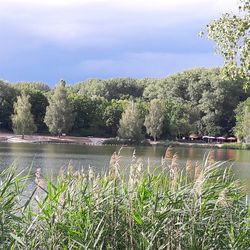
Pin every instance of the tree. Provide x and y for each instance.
(242, 128)
(7, 98)
(113, 88)
(154, 119)
(131, 123)
(39, 102)
(231, 33)
(59, 116)
(245, 124)
(22, 119)
(112, 115)
(43, 87)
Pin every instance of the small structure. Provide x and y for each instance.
(221, 139)
(232, 139)
(208, 139)
(194, 137)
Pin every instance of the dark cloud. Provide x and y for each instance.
(80, 39)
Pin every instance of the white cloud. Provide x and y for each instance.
(86, 22)
(105, 38)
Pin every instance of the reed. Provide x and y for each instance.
(199, 206)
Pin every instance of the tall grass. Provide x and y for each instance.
(199, 206)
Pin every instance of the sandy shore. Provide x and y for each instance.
(12, 138)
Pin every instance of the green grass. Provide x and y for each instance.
(198, 207)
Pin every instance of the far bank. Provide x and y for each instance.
(90, 140)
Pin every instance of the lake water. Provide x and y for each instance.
(53, 157)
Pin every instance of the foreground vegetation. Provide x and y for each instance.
(196, 207)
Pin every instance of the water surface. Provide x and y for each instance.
(53, 157)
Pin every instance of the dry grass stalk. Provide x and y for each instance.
(39, 183)
(70, 169)
(91, 174)
(211, 158)
(114, 165)
(174, 163)
(169, 153)
(189, 166)
(197, 170)
(174, 170)
(222, 199)
(135, 172)
(199, 178)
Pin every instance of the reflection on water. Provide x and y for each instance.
(52, 157)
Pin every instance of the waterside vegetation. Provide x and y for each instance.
(199, 206)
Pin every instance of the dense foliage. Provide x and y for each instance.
(59, 115)
(154, 119)
(231, 33)
(198, 101)
(22, 119)
(242, 128)
(197, 207)
(131, 123)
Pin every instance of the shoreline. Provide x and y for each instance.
(49, 139)
(232, 145)
(95, 141)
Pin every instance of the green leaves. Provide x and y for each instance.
(59, 116)
(131, 123)
(154, 119)
(22, 119)
(231, 35)
(159, 209)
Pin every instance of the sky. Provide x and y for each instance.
(74, 40)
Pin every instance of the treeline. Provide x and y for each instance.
(195, 101)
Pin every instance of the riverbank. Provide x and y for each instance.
(42, 139)
(47, 139)
(242, 146)
(166, 143)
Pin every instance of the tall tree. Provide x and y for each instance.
(39, 103)
(231, 33)
(59, 116)
(154, 119)
(7, 98)
(245, 125)
(131, 123)
(242, 128)
(22, 119)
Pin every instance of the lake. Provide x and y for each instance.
(51, 158)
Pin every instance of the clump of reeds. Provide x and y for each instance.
(199, 206)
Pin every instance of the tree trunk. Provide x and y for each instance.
(154, 138)
(22, 136)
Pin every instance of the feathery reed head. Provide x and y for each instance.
(189, 166)
(169, 153)
(211, 158)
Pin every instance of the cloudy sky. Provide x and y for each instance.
(49, 40)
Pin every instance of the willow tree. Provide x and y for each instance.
(22, 119)
(231, 33)
(59, 115)
(154, 119)
(131, 123)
